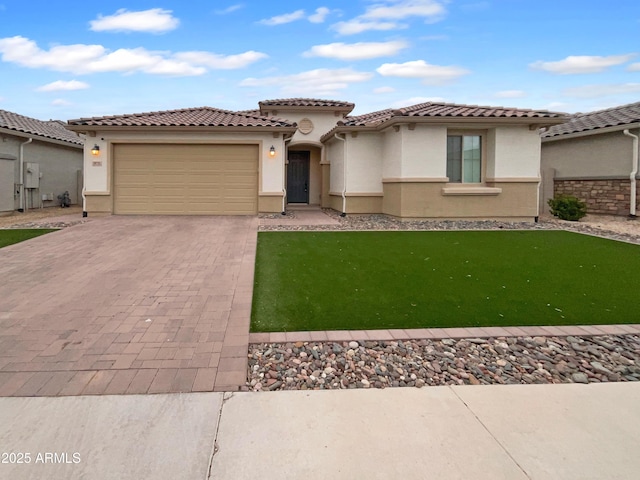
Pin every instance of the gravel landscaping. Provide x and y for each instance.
(473, 361)
(419, 363)
(615, 228)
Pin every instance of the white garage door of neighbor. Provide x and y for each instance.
(168, 179)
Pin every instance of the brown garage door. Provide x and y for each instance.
(168, 179)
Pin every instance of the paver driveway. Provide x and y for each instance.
(128, 305)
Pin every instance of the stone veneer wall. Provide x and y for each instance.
(603, 196)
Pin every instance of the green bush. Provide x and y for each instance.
(567, 207)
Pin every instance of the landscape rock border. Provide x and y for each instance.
(419, 363)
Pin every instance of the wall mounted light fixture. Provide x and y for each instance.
(95, 151)
(272, 151)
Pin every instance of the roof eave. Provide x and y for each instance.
(179, 128)
(591, 131)
(541, 121)
(407, 119)
(42, 138)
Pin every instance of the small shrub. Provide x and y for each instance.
(567, 207)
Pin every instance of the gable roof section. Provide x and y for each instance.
(432, 111)
(188, 117)
(305, 102)
(51, 129)
(448, 110)
(594, 121)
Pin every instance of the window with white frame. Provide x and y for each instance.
(464, 158)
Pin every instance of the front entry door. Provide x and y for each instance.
(298, 177)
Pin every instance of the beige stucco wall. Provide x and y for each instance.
(325, 200)
(391, 153)
(424, 151)
(335, 156)
(427, 200)
(59, 166)
(364, 164)
(602, 156)
(408, 164)
(515, 152)
(323, 122)
(99, 170)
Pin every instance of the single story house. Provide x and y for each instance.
(594, 156)
(39, 160)
(431, 160)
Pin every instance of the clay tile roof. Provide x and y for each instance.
(188, 117)
(53, 129)
(306, 102)
(369, 119)
(448, 110)
(611, 117)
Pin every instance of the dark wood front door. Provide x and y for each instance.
(298, 177)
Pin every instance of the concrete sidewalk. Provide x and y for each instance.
(484, 432)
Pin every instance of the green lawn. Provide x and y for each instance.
(11, 236)
(370, 280)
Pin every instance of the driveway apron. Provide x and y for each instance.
(128, 304)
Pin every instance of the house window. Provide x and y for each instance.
(464, 159)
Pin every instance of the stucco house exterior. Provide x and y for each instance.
(592, 158)
(431, 160)
(39, 160)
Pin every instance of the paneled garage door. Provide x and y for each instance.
(168, 179)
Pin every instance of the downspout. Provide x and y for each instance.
(344, 176)
(21, 166)
(284, 190)
(632, 175)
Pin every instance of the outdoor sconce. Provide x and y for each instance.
(272, 151)
(95, 151)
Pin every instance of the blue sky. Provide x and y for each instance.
(74, 59)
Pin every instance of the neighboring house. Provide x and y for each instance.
(430, 160)
(591, 157)
(39, 160)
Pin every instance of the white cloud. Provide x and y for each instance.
(430, 74)
(285, 18)
(384, 90)
(229, 9)
(356, 51)
(321, 81)
(221, 62)
(320, 15)
(594, 91)
(510, 94)
(60, 102)
(416, 100)
(155, 20)
(634, 67)
(578, 64)
(63, 85)
(355, 26)
(399, 9)
(385, 15)
(86, 59)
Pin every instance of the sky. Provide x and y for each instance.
(73, 59)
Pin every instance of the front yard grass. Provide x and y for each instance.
(373, 280)
(11, 236)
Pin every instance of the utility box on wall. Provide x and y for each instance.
(32, 175)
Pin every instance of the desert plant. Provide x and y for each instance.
(567, 207)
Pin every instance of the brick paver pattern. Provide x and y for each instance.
(121, 304)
